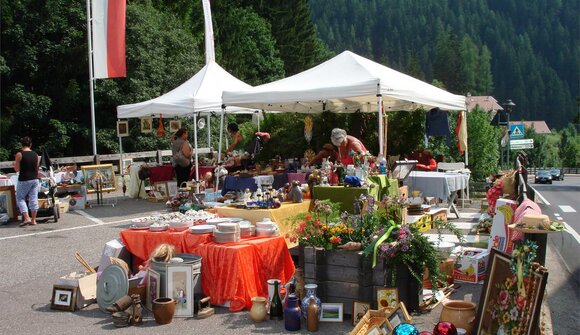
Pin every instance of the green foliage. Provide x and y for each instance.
(483, 145)
(570, 147)
(543, 153)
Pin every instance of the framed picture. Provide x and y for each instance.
(122, 128)
(161, 189)
(180, 287)
(100, 176)
(174, 125)
(172, 187)
(64, 297)
(500, 296)
(374, 330)
(8, 202)
(395, 317)
(359, 309)
(331, 312)
(125, 163)
(153, 288)
(387, 297)
(146, 125)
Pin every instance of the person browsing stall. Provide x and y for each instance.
(237, 138)
(257, 144)
(181, 151)
(26, 163)
(348, 146)
(328, 151)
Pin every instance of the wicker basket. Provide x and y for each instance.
(371, 318)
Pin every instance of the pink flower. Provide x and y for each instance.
(335, 239)
(292, 239)
(503, 299)
(520, 300)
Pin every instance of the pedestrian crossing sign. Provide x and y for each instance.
(516, 130)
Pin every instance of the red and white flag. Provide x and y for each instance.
(109, 38)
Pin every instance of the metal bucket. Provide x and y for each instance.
(188, 259)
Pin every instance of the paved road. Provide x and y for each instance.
(561, 201)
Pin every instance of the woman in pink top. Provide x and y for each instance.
(347, 146)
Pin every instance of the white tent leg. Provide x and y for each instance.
(217, 178)
(381, 130)
(196, 158)
(121, 167)
(208, 132)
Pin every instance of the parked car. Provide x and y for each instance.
(543, 176)
(557, 174)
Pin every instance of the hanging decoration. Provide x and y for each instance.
(160, 128)
(308, 123)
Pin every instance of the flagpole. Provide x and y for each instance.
(91, 87)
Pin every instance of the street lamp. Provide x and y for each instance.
(508, 106)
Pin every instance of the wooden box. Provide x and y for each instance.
(370, 319)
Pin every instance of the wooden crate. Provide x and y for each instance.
(370, 319)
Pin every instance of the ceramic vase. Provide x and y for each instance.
(292, 314)
(310, 292)
(312, 315)
(460, 313)
(163, 310)
(258, 312)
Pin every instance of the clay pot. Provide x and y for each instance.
(460, 313)
(258, 311)
(163, 310)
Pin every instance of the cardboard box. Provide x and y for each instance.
(63, 206)
(87, 287)
(470, 264)
(114, 248)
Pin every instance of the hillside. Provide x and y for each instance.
(534, 45)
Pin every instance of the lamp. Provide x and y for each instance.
(508, 107)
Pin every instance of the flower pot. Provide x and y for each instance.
(460, 313)
(258, 311)
(163, 310)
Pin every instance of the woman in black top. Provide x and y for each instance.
(26, 163)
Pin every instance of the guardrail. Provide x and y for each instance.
(565, 170)
(156, 155)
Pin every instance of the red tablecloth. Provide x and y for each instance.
(161, 173)
(233, 272)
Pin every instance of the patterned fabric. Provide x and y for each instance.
(27, 188)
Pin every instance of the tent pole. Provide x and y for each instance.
(381, 130)
(221, 134)
(208, 132)
(121, 167)
(91, 80)
(464, 119)
(196, 158)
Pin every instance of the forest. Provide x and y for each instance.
(526, 51)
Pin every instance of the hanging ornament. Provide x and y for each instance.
(444, 328)
(308, 123)
(160, 129)
(425, 333)
(405, 329)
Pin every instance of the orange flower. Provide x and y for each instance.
(335, 239)
(308, 217)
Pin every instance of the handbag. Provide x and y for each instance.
(180, 160)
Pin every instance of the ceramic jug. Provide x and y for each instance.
(460, 313)
(258, 312)
(310, 293)
(292, 314)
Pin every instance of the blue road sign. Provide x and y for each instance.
(516, 130)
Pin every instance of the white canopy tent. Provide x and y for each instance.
(202, 93)
(345, 84)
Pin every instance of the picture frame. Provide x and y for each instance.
(8, 201)
(146, 125)
(374, 330)
(395, 317)
(161, 189)
(125, 164)
(387, 297)
(64, 298)
(359, 309)
(153, 289)
(331, 312)
(122, 128)
(174, 126)
(172, 187)
(179, 286)
(502, 282)
(101, 172)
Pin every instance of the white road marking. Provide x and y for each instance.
(90, 217)
(567, 209)
(538, 194)
(572, 232)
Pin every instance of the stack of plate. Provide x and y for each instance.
(141, 223)
(202, 229)
(227, 232)
(246, 229)
(158, 226)
(216, 221)
(179, 225)
(266, 227)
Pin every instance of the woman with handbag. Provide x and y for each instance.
(181, 151)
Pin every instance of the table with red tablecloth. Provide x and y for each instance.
(161, 173)
(232, 272)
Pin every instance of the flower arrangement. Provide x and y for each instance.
(379, 228)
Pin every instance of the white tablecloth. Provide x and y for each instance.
(134, 183)
(437, 184)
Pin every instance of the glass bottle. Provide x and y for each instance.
(276, 310)
(312, 315)
(310, 293)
